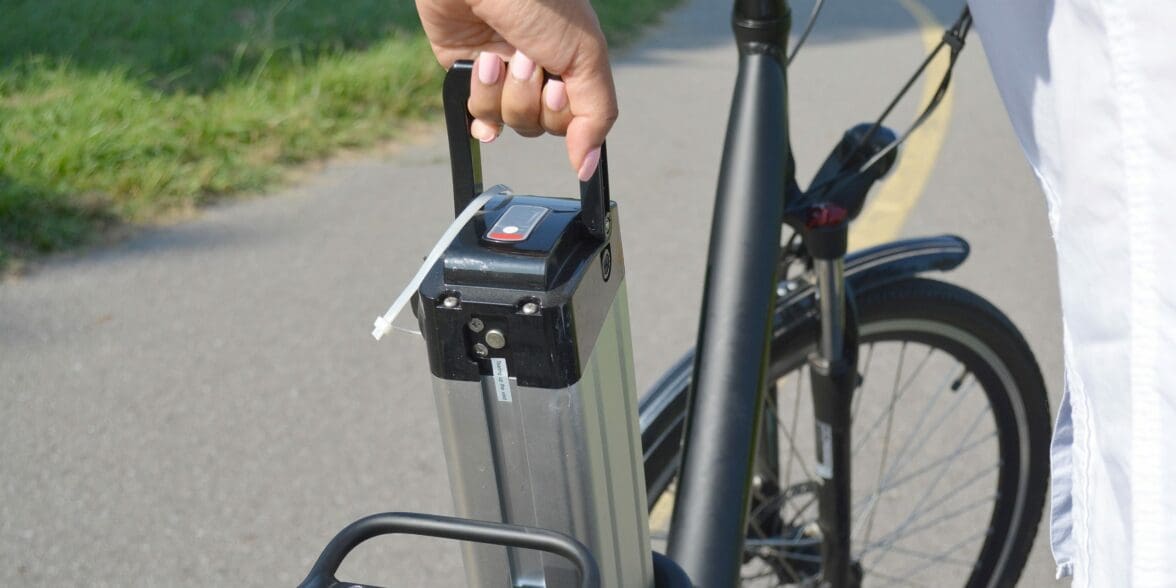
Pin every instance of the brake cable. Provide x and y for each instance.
(953, 39)
(808, 28)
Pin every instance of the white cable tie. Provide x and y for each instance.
(406, 330)
(383, 324)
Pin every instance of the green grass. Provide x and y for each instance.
(120, 111)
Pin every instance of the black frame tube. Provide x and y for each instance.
(710, 511)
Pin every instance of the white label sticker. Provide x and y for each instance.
(501, 378)
(825, 450)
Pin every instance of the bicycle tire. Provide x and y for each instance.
(951, 323)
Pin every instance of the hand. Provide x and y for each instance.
(560, 37)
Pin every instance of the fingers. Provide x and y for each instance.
(520, 96)
(515, 94)
(593, 103)
(485, 102)
(582, 106)
(555, 115)
(484, 131)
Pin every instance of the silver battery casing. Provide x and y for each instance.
(561, 451)
(567, 459)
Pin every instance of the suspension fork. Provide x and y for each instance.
(833, 371)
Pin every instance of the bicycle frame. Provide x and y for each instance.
(724, 415)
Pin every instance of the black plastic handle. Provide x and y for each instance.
(466, 160)
(322, 575)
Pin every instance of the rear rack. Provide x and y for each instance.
(667, 574)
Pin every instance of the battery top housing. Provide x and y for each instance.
(546, 293)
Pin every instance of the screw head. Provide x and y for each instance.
(495, 339)
(476, 325)
(449, 302)
(530, 308)
(480, 350)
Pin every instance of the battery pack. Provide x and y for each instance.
(526, 323)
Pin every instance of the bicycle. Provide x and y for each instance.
(752, 499)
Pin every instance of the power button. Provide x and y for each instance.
(516, 224)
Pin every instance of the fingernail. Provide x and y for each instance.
(489, 66)
(555, 95)
(521, 66)
(589, 166)
(482, 131)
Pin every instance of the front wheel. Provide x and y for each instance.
(950, 446)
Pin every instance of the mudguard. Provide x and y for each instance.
(662, 408)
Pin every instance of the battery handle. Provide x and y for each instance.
(466, 160)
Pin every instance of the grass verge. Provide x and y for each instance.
(124, 110)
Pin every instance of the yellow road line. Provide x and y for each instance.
(887, 211)
(659, 516)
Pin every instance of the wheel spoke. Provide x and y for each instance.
(782, 542)
(922, 413)
(941, 557)
(927, 508)
(795, 417)
(915, 515)
(893, 580)
(793, 522)
(897, 534)
(965, 440)
(759, 532)
(923, 441)
(947, 459)
(895, 394)
(794, 455)
(886, 440)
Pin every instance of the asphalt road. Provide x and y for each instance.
(201, 404)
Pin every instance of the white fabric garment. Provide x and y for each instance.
(1090, 86)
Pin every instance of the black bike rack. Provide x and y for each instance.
(667, 574)
(322, 575)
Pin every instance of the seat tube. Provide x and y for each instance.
(725, 404)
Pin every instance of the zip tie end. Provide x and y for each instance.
(383, 326)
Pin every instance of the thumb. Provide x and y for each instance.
(592, 100)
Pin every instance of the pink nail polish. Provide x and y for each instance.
(555, 95)
(521, 66)
(482, 131)
(589, 166)
(489, 66)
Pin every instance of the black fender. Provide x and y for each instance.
(868, 269)
(661, 410)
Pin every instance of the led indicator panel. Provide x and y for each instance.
(516, 224)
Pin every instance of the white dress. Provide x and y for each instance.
(1090, 86)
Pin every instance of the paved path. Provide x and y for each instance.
(202, 405)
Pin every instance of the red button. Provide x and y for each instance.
(507, 236)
